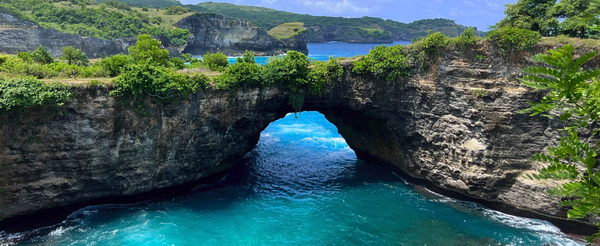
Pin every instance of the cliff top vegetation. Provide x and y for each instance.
(269, 18)
(287, 30)
(109, 20)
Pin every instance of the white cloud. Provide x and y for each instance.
(268, 1)
(492, 4)
(336, 7)
(469, 3)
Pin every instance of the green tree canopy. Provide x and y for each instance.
(535, 15)
(74, 56)
(149, 48)
(42, 56)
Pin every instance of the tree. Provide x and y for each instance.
(42, 56)
(573, 95)
(149, 48)
(535, 15)
(216, 62)
(574, 12)
(74, 56)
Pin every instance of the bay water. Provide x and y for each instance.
(301, 185)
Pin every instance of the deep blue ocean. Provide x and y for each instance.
(302, 185)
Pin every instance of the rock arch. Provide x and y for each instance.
(457, 128)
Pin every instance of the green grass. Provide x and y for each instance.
(562, 40)
(287, 30)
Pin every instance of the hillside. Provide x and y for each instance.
(269, 18)
(158, 4)
(110, 20)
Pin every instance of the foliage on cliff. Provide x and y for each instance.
(574, 95)
(161, 4)
(108, 20)
(386, 62)
(512, 39)
(152, 79)
(23, 93)
(24, 65)
(549, 17)
(287, 30)
(270, 18)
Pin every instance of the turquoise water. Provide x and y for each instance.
(322, 51)
(302, 185)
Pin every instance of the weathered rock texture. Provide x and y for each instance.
(17, 35)
(210, 32)
(454, 124)
(218, 33)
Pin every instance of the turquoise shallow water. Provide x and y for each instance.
(302, 185)
(322, 51)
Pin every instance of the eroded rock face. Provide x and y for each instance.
(218, 33)
(94, 147)
(210, 32)
(454, 124)
(17, 35)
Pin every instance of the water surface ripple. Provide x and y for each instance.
(302, 185)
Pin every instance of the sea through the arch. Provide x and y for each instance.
(323, 51)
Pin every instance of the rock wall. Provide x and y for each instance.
(454, 124)
(325, 33)
(17, 35)
(210, 32)
(218, 33)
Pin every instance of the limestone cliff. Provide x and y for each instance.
(17, 35)
(218, 33)
(454, 124)
(210, 32)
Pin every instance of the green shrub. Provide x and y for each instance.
(25, 56)
(115, 63)
(74, 56)
(322, 74)
(513, 39)
(216, 62)
(147, 48)
(16, 67)
(288, 72)
(178, 36)
(247, 57)
(434, 41)
(94, 83)
(148, 78)
(42, 56)
(28, 92)
(386, 62)
(467, 39)
(239, 74)
(177, 63)
(186, 57)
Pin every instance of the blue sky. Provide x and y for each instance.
(478, 13)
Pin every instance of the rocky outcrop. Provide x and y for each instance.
(210, 32)
(17, 35)
(455, 124)
(218, 33)
(326, 33)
